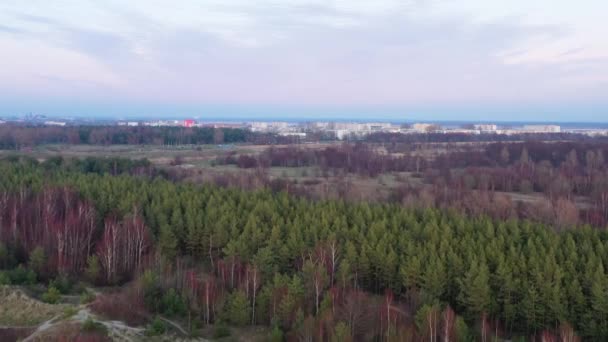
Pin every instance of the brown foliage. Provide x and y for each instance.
(126, 305)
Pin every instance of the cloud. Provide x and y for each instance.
(338, 52)
(10, 30)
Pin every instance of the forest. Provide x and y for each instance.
(14, 137)
(558, 183)
(308, 270)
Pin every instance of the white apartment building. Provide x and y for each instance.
(54, 123)
(422, 127)
(485, 127)
(542, 128)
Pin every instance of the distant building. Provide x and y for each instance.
(349, 126)
(293, 134)
(269, 126)
(542, 128)
(341, 134)
(2, 122)
(379, 127)
(54, 123)
(459, 131)
(592, 132)
(423, 127)
(222, 125)
(318, 126)
(258, 126)
(132, 123)
(485, 128)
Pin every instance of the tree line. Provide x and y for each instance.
(18, 136)
(401, 138)
(357, 158)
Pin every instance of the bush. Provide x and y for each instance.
(152, 291)
(61, 283)
(5, 279)
(91, 326)
(51, 296)
(526, 187)
(276, 335)
(341, 332)
(462, 330)
(221, 330)
(22, 276)
(69, 312)
(37, 260)
(237, 310)
(125, 306)
(92, 270)
(87, 297)
(173, 304)
(4, 255)
(157, 327)
(195, 327)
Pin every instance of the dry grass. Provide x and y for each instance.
(19, 310)
(69, 331)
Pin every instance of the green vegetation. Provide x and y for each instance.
(237, 310)
(87, 297)
(18, 276)
(221, 330)
(92, 326)
(93, 269)
(37, 260)
(522, 274)
(276, 335)
(156, 328)
(62, 284)
(69, 311)
(51, 296)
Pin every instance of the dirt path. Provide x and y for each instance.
(175, 325)
(117, 330)
(42, 328)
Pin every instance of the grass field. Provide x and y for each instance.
(202, 158)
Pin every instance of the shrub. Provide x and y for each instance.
(173, 304)
(87, 297)
(157, 327)
(61, 283)
(341, 332)
(5, 279)
(237, 310)
(276, 335)
(22, 276)
(4, 255)
(51, 296)
(37, 260)
(92, 270)
(124, 306)
(91, 326)
(462, 330)
(526, 187)
(69, 312)
(152, 291)
(221, 330)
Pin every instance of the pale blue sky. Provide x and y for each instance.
(435, 59)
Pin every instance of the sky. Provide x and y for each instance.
(481, 60)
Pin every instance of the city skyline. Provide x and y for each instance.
(414, 60)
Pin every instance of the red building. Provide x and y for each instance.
(189, 123)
